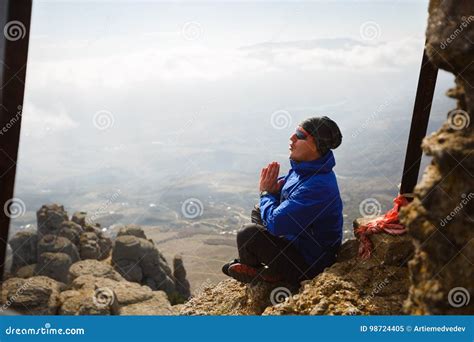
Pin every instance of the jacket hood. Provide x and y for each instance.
(324, 164)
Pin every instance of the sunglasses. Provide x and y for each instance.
(300, 135)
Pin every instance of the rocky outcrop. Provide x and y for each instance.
(50, 218)
(137, 259)
(351, 286)
(64, 268)
(440, 219)
(179, 275)
(57, 244)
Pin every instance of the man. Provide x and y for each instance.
(297, 227)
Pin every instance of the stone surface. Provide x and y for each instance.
(179, 274)
(54, 265)
(79, 217)
(50, 218)
(158, 304)
(136, 258)
(37, 295)
(132, 229)
(23, 245)
(94, 268)
(71, 230)
(394, 250)
(55, 244)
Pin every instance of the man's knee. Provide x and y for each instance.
(247, 233)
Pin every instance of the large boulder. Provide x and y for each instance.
(394, 250)
(79, 217)
(37, 295)
(54, 265)
(50, 218)
(132, 229)
(93, 244)
(71, 230)
(23, 245)
(55, 244)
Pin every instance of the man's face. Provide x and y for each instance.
(302, 146)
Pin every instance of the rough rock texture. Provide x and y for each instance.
(54, 265)
(395, 250)
(33, 296)
(57, 244)
(350, 287)
(66, 269)
(24, 251)
(138, 260)
(179, 274)
(158, 304)
(95, 268)
(72, 231)
(79, 217)
(90, 295)
(50, 218)
(441, 217)
(94, 244)
(132, 229)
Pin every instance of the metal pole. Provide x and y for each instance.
(15, 16)
(419, 124)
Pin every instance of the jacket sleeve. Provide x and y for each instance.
(295, 213)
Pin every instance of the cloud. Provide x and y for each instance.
(199, 63)
(38, 122)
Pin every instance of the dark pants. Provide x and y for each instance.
(257, 246)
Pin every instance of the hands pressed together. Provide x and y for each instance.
(269, 178)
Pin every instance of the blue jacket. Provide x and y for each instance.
(308, 211)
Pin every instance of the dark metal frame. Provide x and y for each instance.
(419, 124)
(13, 58)
(14, 53)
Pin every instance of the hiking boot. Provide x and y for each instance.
(248, 274)
(225, 268)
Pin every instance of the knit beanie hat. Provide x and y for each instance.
(325, 131)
